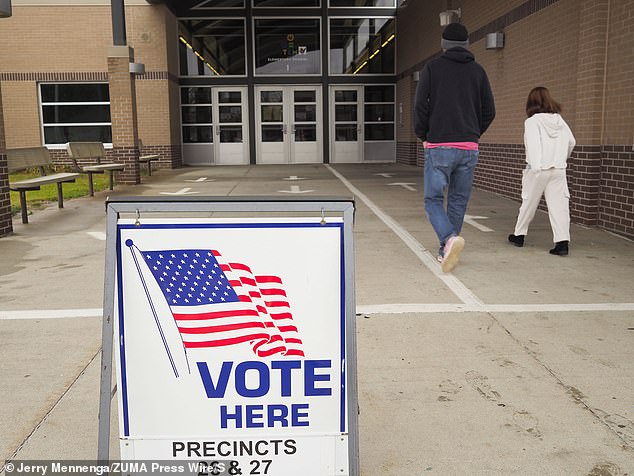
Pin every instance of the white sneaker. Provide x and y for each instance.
(453, 248)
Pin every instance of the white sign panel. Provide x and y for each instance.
(232, 343)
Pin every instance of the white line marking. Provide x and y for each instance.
(97, 235)
(385, 175)
(369, 309)
(457, 308)
(201, 179)
(295, 189)
(405, 185)
(471, 220)
(293, 177)
(182, 191)
(51, 314)
(453, 283)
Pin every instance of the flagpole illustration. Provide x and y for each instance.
(130, 244)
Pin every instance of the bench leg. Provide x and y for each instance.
(25, 216)
(149, 168)
(60, 195)
(111, 179)
(91, 189)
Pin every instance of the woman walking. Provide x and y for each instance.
(548, 142)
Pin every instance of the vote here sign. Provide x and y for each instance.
(232, 343)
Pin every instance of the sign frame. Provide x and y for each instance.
(179, 207)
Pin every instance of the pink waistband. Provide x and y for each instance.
(454, 145)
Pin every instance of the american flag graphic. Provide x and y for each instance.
(217, 304)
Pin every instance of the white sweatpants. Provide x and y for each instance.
(553, 185)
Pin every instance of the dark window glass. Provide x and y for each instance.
(230, 134)
(286, 46)
(198, 134)
(75, 92)
(63, 134)
(196, 114)
(225, 97)
(286, 3)
(379, 94)
(212, 47)
(305, 112)
(379, 112)
(272, 114)
(195, 95)
(211, 4)
(345, 96)
(305, 96)
(346, 133)
(379, 132)
(362, 46)
(271, 96)
(362, 3)
(230, 113)
(272, 134)
(74, 114)
(346, 113)
(306, 133)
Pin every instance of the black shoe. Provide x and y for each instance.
(560, 249)
(517, 240)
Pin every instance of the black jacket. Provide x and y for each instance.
(454, 102)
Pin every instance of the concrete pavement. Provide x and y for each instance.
(519, 362)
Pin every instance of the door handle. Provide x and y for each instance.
(284, 129)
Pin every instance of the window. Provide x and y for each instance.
(286, 46)
(212, 47)
(362, 3)
(75, 112)
(197, 115)
(286, 3)
(211, 4)
(362, 46)
(379, 113)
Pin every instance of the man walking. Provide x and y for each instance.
(454, 106)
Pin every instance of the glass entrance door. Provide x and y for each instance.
(289, 129)
(346, 124)
(214, 125)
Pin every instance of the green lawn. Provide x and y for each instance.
(48, 193)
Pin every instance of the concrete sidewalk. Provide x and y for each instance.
(519, 362)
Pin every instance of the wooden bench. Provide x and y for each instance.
(147, 159)
(32, 157)
(92, 151)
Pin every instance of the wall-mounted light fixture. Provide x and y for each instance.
(495, 41)
(450, 16)
(137, 68)
(5, 8)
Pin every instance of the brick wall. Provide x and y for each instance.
(150, 31)
(5, 202)
(582, 51)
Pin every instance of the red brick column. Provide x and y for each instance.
(6, 226)
(123, 113)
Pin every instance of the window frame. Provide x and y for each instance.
(42, 104)
(294, 75)
(361, 17)
(220, 76)
(366, 122)
(364, 7)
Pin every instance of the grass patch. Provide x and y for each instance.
(48, 193)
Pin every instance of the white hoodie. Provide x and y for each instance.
(548, 141)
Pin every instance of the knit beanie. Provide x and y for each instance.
(454, 35)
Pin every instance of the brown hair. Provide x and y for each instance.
(540, 100)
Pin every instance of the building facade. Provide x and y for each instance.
(236, 82)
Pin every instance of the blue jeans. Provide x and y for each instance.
(448, 169)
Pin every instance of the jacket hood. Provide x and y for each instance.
(553, 124)
(459, 55)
